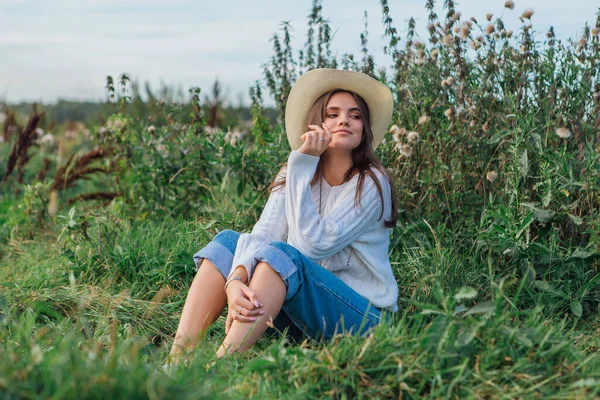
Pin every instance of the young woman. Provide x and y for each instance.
(335, 205)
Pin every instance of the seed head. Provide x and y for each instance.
(527, 13)
(489, 29)
(563, 133)
(394, 130)
(489, 16)
(464, 32)
(151, 130)
(407, 150)
(456, 16)
(450, 81)
(456, 29)
(509, 4)
(582, 42)
(37, 355)
(423, 119)
(434, 53)
(474, 45)
(46, 140)
(491, 176)
(449, 113)
(509, 33)
(447, 40)
(420, 61)
(595, 31)
(412, 137)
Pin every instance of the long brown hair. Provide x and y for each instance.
(363, 156)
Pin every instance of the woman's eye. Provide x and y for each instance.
(331, 115)
(356, 116)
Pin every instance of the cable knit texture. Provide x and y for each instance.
(349, 240)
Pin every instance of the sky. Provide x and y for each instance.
(51, 49)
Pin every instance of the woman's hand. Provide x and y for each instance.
(316, 140)
(243, 306)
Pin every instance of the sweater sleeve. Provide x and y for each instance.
(272, 226)
(320, 237)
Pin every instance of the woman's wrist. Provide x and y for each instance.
(231, 280)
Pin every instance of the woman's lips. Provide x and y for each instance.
(343, 131)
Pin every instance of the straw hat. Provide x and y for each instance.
(313, 84)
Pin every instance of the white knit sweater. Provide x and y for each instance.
(350, 241)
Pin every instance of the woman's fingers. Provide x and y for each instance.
(251, 296)
(328, 134)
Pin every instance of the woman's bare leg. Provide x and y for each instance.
(270, 291)
(205, 302)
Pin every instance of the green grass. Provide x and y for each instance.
(93, 317)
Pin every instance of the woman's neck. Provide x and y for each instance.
(335, 165)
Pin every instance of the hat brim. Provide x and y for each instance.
(313, 84)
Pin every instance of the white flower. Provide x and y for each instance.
(527, 13)
(447, 40)
(491, 176)
(563, 133)
(394, 130)
(39, 132)
(46, 140)
(412, 137)
(464, 32)
(37, 355)
(407, 150)
(3, 118)
(151, 130)
(423, 119)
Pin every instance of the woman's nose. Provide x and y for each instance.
(343, 120)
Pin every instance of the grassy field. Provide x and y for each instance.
(496, 153)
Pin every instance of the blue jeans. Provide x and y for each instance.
(317, 302)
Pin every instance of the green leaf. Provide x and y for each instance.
(465, 292)
(576, 308)
(432, 311)
(548, 288)
(525, 224)
(460, 309)
(536, 141)
(580, 253)
(576, 220)
(465, 337)
(497, 137)
(589, 382)
(481, 308)
(524, 163)
(544, 215)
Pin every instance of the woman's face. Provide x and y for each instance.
(344, 120)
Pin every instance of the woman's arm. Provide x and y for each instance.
(271, 226)
(320, 237)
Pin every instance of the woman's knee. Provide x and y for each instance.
(227, 238)
(289, 250)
